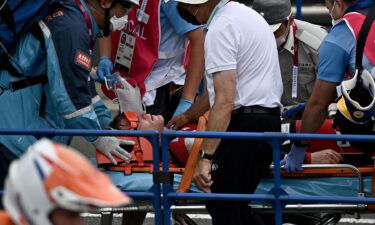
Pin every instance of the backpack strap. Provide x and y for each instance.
(363, 33)
(28, 82)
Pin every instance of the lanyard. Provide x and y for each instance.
(89, 24)
(295, 57)
(295, 63)
(216, 9)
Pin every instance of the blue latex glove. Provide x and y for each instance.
(105, 68)
(182, 107)
(294, 159)
(293, 111)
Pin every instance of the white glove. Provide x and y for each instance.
(111, 146)
(129, 98)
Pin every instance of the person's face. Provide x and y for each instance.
(98, 10)
(201, 12)
(121, 9)
(281, 31)
(64, 217)
(336, 8)
(193, 10)
(124, 124)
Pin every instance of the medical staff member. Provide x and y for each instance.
(61, 94)
(298, 44)
(166, 60)
(337, 64)
(244, 89)
(52, 184)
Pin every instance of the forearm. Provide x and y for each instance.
(195, 72)
(313, 117)
(218, 121)
(105, 46)
(195, 68)
(201, 106)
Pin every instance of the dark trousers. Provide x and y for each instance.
(347, 127)
(166, 101)
(238, 167)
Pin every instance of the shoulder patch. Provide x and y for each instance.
(83, 60)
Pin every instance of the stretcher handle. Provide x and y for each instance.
(354, 169)
(191, 164)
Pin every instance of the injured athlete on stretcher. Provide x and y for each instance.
(133, 117)
(321, 152)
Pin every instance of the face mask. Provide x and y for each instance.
(118, 23)
(186, 15)
(280, 41)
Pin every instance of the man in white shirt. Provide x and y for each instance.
(244, 89)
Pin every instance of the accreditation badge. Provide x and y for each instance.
(125, 52)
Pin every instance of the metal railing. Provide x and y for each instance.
(163, 198)
(277, 196)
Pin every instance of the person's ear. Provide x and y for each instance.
(106, 4)
(291, 19)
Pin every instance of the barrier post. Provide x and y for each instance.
(156, 186)
(299, 9)
(275, 140)
(166, 185)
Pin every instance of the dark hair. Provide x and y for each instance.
(116, 122)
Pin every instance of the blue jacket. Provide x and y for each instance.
(71, 98)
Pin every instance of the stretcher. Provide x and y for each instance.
(316, 180)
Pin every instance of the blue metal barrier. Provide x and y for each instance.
(152, 136)
(277, 196)
(299, 9)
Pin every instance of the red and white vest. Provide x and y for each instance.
(354, 21)
(135, 48)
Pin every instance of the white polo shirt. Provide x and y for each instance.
(238, 38)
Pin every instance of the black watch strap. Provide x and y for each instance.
(299, 143)
(204, 155)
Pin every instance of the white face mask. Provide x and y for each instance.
(118, 23)
(280, 41)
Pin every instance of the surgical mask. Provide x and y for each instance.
(280, 41)
(186, 15)
(118, 23)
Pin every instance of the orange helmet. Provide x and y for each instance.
(50, 176)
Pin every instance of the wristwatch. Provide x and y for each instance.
(300, 143)
(204, 155)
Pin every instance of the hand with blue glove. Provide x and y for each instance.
(182, 107)
(105, 68)
(294, 159)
